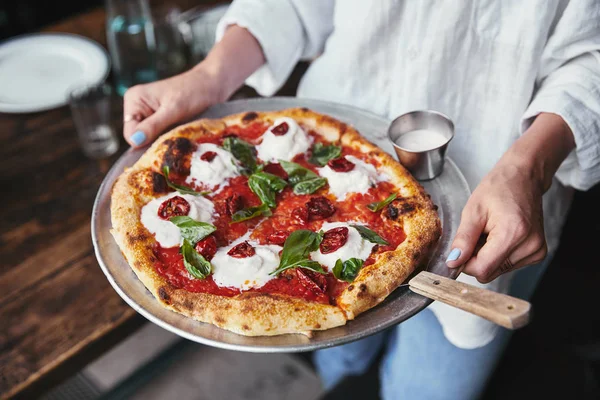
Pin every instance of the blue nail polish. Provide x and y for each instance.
(138, 138)
(454, 254)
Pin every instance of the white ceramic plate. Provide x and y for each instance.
(38, 71)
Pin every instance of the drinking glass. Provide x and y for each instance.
(131, 42)
(171, 48)
(198, 27)
(91, 108)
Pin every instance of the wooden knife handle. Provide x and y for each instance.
(504, 310)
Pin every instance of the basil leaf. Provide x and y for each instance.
(191, 230)
(296, 249)
(251, 212)
(321, 154)
(296, 172)
(195, 263)
(378, 206)
(347, 270)
(266, 186)
(309, 186)
(369, 235)
(299, 245)
(302, 179)
(180, 188)
(306, 264)
(243, 151)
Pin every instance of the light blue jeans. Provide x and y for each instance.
(419, 362)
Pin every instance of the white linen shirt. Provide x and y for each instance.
(490, 65)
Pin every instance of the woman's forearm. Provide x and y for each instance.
(232, 60)
(542, 148)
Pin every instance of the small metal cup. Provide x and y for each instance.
(424, 165)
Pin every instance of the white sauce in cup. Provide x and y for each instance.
(421, 140)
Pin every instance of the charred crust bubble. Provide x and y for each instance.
(399, 208)
(350, 288)
(392, 211)
(407, 208)
(159, 184)
(132, 239)
(249, 116)
(176, 155)
(305, 109)
(363, 293)
(164, 296)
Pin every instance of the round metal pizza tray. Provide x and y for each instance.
(449, 191)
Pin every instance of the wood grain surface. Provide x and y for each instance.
(502, 309)
(56, 307)
(57, 310)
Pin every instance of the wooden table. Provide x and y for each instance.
(57, 310)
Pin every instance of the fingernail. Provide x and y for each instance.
(454, 254)
(138, 138)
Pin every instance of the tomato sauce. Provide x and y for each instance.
(354, 208)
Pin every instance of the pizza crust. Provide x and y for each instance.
(254, 314)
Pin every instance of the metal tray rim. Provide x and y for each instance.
(304, 343)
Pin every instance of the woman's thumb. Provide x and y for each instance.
(140, 133)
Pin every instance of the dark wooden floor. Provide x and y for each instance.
(558, 354)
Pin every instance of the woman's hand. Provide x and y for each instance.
(150, 109)
(507, 204)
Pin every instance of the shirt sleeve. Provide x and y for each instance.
(569, 85)
(287, 31)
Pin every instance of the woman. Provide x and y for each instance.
(521, 81)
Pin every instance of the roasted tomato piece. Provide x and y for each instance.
(207, 247)
(175, 206)
(341, 164)
(280, 129)
(242, 250)
(319, 208)
(278, 237)
(300, 215)
(276, 169)
(208, 156)
(333, 239)
(313, 281)
(234, 203)
(317, 278)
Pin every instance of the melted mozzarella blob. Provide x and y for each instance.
(167, 233)
(245, 273)
(355, 246)
(216, 172)
(284, 147)
(359, 180)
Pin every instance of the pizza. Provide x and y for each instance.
(267, 223)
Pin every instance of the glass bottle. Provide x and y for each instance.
(131, 42)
